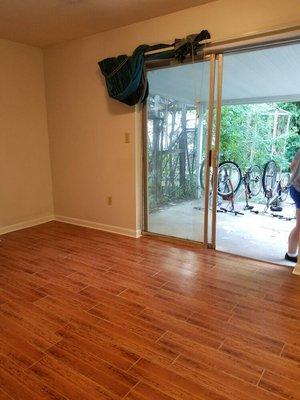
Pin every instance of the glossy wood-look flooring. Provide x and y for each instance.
(92, 315)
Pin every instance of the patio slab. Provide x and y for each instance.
(260, 236)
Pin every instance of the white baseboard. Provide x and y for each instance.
(25, 224)
(73, 221)
(97, 225)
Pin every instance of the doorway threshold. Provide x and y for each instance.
(283, 263)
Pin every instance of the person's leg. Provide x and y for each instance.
(294, 236)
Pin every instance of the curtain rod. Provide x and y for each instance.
(248, 41)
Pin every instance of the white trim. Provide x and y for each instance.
(25, 224)
(97, 225)
(256, 39)
(296, 270)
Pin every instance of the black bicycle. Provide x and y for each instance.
(229, 181)
(229, 178)
(275, 186)
(285, 184)
(269, 178)
(252, 180)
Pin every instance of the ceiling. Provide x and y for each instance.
(45, 22)
(267, 75)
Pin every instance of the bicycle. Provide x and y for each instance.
(275, 188)
(252, 180)
(285, 184)
(229, 181)
(229, 177)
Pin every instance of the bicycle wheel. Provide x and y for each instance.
(254, 183)
(269, 177)
(202, 175)
(284, 183)
(229, 178)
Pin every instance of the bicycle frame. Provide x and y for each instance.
(273, 198)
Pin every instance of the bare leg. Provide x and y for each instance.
(294, 235)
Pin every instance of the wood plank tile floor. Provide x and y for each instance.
(91, 315)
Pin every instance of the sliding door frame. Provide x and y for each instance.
(208, 159)
(213, 52)
(215, 151)
(211, 58)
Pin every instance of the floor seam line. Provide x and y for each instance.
(122, 291)
(133, 387)
(131, 366)
(280, 355)
(175, 359)
(161, 336)
(36, 362)
(260, 378)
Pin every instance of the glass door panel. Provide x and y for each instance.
(259, 134)
(178, 143)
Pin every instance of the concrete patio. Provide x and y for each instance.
(260, 236)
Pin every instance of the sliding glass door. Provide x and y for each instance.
(180, 120)
(186, 181)
(259, 139)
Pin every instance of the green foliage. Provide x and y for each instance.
(293, 142)
(247, 130)
(294, 109)
(293, 145)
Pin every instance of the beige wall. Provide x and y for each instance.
(25, 180)
(90, 160)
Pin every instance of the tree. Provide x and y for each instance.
(247, 137)
(293, 142)
(246, 134)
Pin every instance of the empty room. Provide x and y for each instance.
(149, 200)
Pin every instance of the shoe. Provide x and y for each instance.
(290, 258)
